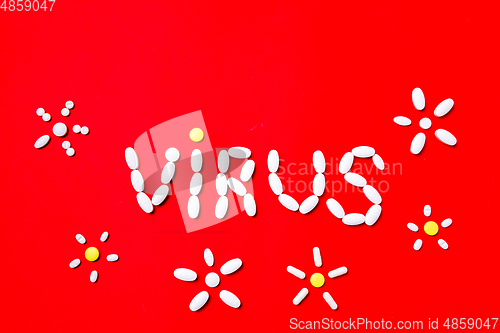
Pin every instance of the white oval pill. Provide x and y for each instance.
(247, 170)
(249, 204)
(230, 299)
(137, 180)
(317, 257)
(212, 280)
(355, 179)
(275, 183)
(237, 187)
(373, 214)
(273, 161)
(417, 143)
(446, 137)
(70, 152)
(346, 163)
(112, 257)
(69, 104)
(231, 266)
(94, 276)
(59, 129)
(77, 129)
(308, 204)
(329, 299)
(446, 223)
(403, 121)
(417, 245)
(131, 158)
(46, 117)
(221, 184)
(185, 274)
(288, 202)
(160, 195)
(172, 154)
(443, 244)
(193, 207)
(427, 210)
(372, 194)
(319, 184)
(65, 112)
(168, 172)
(85, 130)
(363, 151)
(425, 123)
(40, 112)
(209, 257)
(66, 144)
(81, 239)
(294, 271)
(199, 301)
(300, 296)
(354, 219)
(379, 163)
(221, 207)
(319, 161)
(75, 263)
(196, 184)
(337, 272)
(418, 99)
(412, 226)
(42, 141)
(196, 160)
(239, 152)
(104, 236)
(144, 202)
(444, 107)
(223, 161)
(335, 208)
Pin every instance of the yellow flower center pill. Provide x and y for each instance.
(431, 228)
(196, 134)
(92, 254)
(317, 280)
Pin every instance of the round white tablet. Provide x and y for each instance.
(70, 151)
(69, 105)
(40, 112)
(77, 129)
(46, 117)
(85, 130)
(66, 144)
(65, 112)
(172, 154)
(60, 129)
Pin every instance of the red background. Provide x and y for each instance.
(292, 76)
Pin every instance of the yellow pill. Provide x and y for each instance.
(431, 228)
(317, 280)
(92, 254)
(196, 134)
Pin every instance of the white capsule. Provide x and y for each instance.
(160, 195)
(42, 141)
(70, 152)
(346, 163)
(427, 210)
(196, 160)
(329, 299)
(131, 158)
(66, 144)
(412, 226)
(231, 266)
(379, 163)
(77, 129)
(444, 107)
(418, 245)
(443, 244)
(85, 130)
(308, 204)
(221, 184)
(446, 223)
(335, 208)
(417, 143)
(239, 152)
(209, 257)
(300, 296)
(236, 186)
(94, 276)
(273, 161)
(418, 99)
(193, 207)
(168, 173)
(69, 104)
(75, 263)
(65, 112)
(249, 204)
(212, 280)
(221, 207)
(199, 301)
(137, 180)
(373, 214)
(112, 257)
(144, 202)
(81, 239)
(196, 184)
(104, 236)
(425, 123)
(319, 161)
(317, 257)
(353, 219)
(172, 154)
(372, 194)
(275, 183)
(445, 137)
(230, 299)
(319, 184)
(337, 272)
(355, 179)
(185, 274)
(363, 151)
(46, 117)
(294, 271)
(247, 170)
(288, 202)
(40, 112)
(59, 129)
(223, 161)
(402, 121)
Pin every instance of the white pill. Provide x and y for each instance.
(275, 183)
(199, 301)
(131, 158)
(144, 202)
(42, 141)
(373, 214)
(80, 239)
(70, 152)
(249, 204)
(85, 130)
(346, 163)
(65, 112)
(403, 121)
(300, 296)
(221, 184)
(353, 219)
(160, 195)
(308, 204)
(378, 161)
(446, 137)
(230, 299)
(273, 161)
(417, 143)
(231, 266)
(77, 129)
(337, 272)
(212, 280)
(66, 144)
(193, 207)
(196, 160)
(319, 161)
(196, 184)
(137, 180)
(443, 244)
(372, 194)
(427, 210)
(425, 123)
(319, 184)
(75, 263)
(223, 161)
(417, 245)
(329, 299)
(239, 152)
(418, 99)
(444, 107)
(94, 276)
(412, 226)
(363, 151)
(221, 207)
(209, 257)
(46, 117)
(237, 187)
(317, 257)
(288, 202)
(294, 271)
(446, 223)
(40, 112)
(69, 104)
(104, 236)
(172, 154)
(355, 179)
(335, 208)
(185, 274)
(112, 257)
(168, 172)
(247, 170)
(60, 129)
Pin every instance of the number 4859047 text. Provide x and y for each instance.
(27, 5)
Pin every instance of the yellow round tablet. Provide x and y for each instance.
(196, 134)
(431, 228)
(317, 280)
(92, 254)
